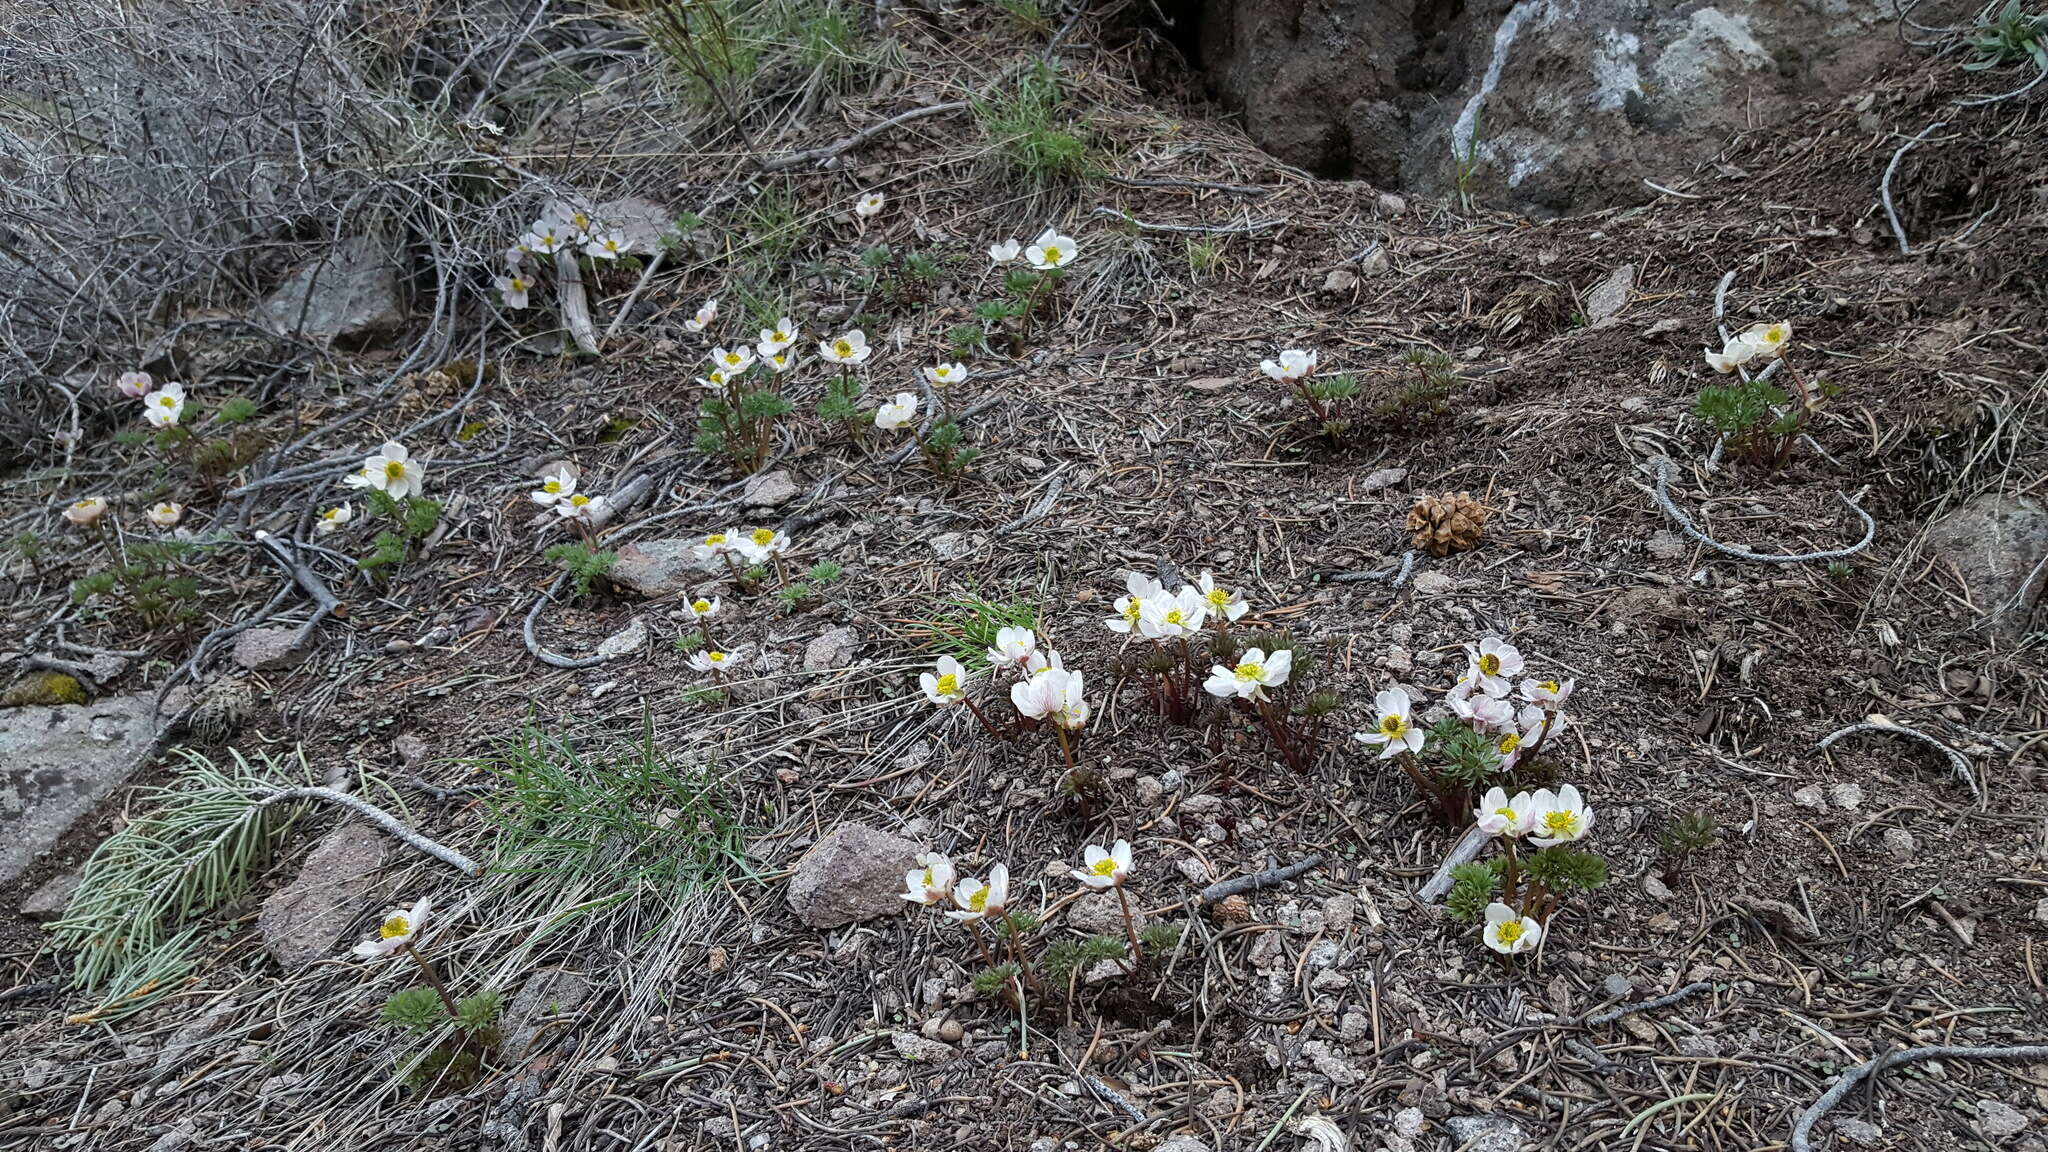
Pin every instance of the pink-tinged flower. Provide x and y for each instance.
(1293, 364)
(977, 899)
(931, 881)
(1498, 815)
(1013, 647)
(399, 930)
(1560, 818)
(134, 385)
(1494, 663)
(87, 511)
(1548, 693)
(1478, 709)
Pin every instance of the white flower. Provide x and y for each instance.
(606, 245)
(134, 385)
(572, 218)
(515, 257)
(778, 362)
(1050, 250)
(1013, 647)
(1758, 341)
(1251, 676)
(977, 899)
(943, 374)
(1052, 692)
(897, 412)
(705, 315)
(1560, 817)
(846, 348)
(1396, 729)
(333, 519)
(512, 289)
(1493, 663)
(732, 361)
(715, 378)
(702, 609)
(1497, 815)
(717, 544)
(1294, 363)
(1169, 617)
(1105, 868)
(1509, 932)
(163, 406)
(556, 487)
(86, 511)
(775, 339)
(1549, 693)
(1004, 252)
(166, 514)
(1475, 707)
(401, 927)
(761, 544)
(946, 685)
(578, 506)
(931, 881)
(1130, 613)
(1521, 735)
(870, 204)
(713, 661)
(546, 237)
(394, 472)
(1221, 601)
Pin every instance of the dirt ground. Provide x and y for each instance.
(1894, 905)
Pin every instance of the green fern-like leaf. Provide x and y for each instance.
(1565, 869)
(415, 1009)
(479, 1013)
(990, 981)
(1472, 889)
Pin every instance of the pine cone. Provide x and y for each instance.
(1232, 910)
(1452, 522)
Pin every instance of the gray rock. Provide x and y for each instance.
(546, 995)
(304, 922)
(1409, 1123)
(1998, 1120)
(2000, 546)
(1435, 584)
(1861, 1133)
(1901, 845)
(350, 293)
(57, 763)
(1181, 1144)
(49, 900)
(1384, 478)
(1666, 545)
(1608, 297)
(625, 642)
(644, 223)
(1098, 914)
(1812, 796)
(1617, 986)
(666, 567)
(1486, 1133)
(260, 649)
(833, 649)
(853, 873)
(769, 490)
(919, 1050)
(1847, 797)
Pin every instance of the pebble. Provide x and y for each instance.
(1847, 797)
(1998, 1120)
(1810, 796)
(1617, 986)
(1398, 661)
(1434, 583)
(1904, 848)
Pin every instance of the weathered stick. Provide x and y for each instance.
(1463, 852)
(1959, 762)
(1802, 1129)
(1662, 469)
(1238, 885)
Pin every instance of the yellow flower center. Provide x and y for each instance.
(552, 487)
(1133, 610)
(928, 876)
(718, 657)
(779, 336)
(842, 348)
(1510, 742)
(1052, 255)
(1550, 686)
(700, 607)
(398, 925)
(168, 402)
(1173, 616)
(979, 901)
(394, 469)
(714, 540)
(1489, 664)
(1561, 823)
(1506, 813)
(1250, 671)
(579, 500)
(1393, 727)
(948, 684)
(1219, 597)
(518, 285)
(762, 537)
(331, 514)
(732, 358)
(1509, 931)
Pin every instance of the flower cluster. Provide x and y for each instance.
(1757, 342)
(1517, 894)
(559, 490)
(1028, 288)
(393, 484)
(562, 227)
(1327, 396)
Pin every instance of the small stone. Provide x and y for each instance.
(304, 922)
(1150, 792)
(949, 545)
(1666, 545)
(1811, 796)
(1861, 1133)
(1382, 479)
(657, 567)
(2041, 910)
(1905, 849)
(951, 1031)
(1655, 888)
(1180, 1144)
(852, 873)
(625, 642)
(1340, 280)
(1486, 1133)
(1330, 1062)
(1391, 203)
(769, 490)
(1409, 1123)
(1211, 383)
(1099, 914)
(1434, 583)
(833, 649)
(1338, 912)
(1999, 1121)
(260, 649)
(352, 291)
(1617, 986)
(1847, 797)
(48, 901)
(547, 995)
(1398, 661)
(919, 1050)
(1608, 297)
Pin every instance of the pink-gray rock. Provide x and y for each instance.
(1999, 545)
(260, 649)
(769, 490)
(49, 900)
(350, 292)
(339, 882)
(852, 873)
(666, 567)
(58, 763)
(833, 649)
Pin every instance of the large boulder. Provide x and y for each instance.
(1559, 104)
(340, 881)
(58, 763)
(852, 873)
